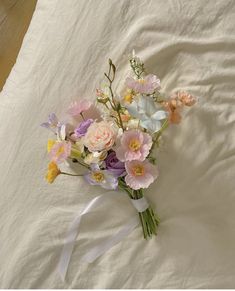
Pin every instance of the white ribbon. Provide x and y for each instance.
(140, 204)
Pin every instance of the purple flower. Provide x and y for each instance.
(53, 124)
(103, 178)
(115, 166)
(83, 127)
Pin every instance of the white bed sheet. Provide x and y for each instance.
(189, 45)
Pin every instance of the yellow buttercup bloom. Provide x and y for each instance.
(52, 172)
(50, 144)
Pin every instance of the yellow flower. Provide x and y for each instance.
(52, 172)
(50, 144)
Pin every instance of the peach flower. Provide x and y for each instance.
(186, 98)
(173, 107)
(100, 136)
(176, 102)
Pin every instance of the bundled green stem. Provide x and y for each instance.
(149, 220)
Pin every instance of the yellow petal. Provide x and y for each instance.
(52, 172)
(50, 144)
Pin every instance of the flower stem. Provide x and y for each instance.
(79, 162)
(137, 67)
(113, 103)
(164, 126)
(145, 231)
(148, 219)
(63, 173)
(82, 116)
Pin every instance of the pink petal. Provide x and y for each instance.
(120, 153)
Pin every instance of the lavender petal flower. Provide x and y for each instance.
(83, 127)
(103, 178)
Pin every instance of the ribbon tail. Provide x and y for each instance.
(71, 237)
(102, 248)
(68, 248)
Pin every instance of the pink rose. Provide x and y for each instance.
(100, 136)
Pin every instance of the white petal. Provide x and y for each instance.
(61, 132)
(151, 124)
(159, 115)
(133, 109)
(148, 105)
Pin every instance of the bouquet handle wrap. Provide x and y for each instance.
(140, 204)
(148, 218)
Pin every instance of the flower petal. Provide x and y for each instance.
(159, 115)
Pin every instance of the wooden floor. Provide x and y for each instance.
(15, 16)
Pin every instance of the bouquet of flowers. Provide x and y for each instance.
(116, 149)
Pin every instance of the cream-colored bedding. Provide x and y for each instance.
(189, 45)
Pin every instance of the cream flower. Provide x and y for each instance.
(95, 158)
(100, 136)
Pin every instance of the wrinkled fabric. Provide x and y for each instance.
(189, 45)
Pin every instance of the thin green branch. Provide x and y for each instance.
(114, 105)
(68, 174)
(164, 126)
